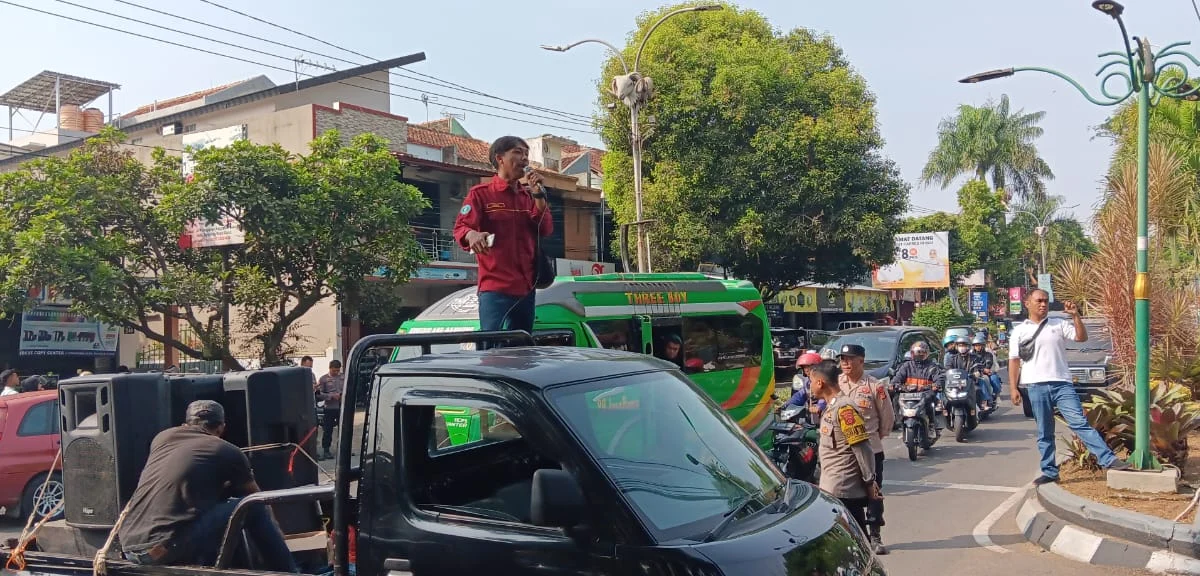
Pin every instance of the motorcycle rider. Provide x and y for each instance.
(987, 357)
(948, 346)
(870, 396)
(922, 373)
(800, 384)
(964, 359)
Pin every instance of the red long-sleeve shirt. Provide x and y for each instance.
(509, 212)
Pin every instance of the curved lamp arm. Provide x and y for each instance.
(1109, 98)
(613, 49)
(638, 58)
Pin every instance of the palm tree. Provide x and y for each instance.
(990, 141)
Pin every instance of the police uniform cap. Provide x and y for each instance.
(853, 350)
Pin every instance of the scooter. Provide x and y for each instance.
(915, 418)
(962, 403)
(794, 449)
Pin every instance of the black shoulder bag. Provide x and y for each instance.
(1025, 349)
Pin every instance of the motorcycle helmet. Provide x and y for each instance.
(948, 340)
(808, 359)
(980, 338)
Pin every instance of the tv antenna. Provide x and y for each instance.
(426, 99)
(460, 116)
(300, 62)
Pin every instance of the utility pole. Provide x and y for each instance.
(635, 90)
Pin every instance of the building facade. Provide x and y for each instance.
(439, 158)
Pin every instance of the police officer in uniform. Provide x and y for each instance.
(847, 461)
(870, 397)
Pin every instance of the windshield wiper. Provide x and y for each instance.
(741, 505)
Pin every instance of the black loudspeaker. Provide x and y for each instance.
(187, 388)
(108, 422)
(270, 406)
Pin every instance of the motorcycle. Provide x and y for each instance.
(794, 449)
(915, 420)
(962, 402)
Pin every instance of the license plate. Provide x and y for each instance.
(911, 396)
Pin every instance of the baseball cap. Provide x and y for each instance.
(853, 350)
(5, 374)
(207, 411)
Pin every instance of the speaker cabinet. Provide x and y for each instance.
(273, 406)
(187, 388)
(108, 422)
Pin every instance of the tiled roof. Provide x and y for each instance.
(469, 149)
(161, 104)
(442, 125)
(573, 152)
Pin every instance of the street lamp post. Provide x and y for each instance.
(1138, 66)
(1041, 229)
(635, 90)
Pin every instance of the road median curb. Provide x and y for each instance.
(1062, 537)
(1157, 533)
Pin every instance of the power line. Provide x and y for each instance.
(273, 67)
(281, 57)
(444, 83)
(1196, 9)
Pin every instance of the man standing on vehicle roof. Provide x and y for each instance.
(847, 462)
(870, 397)
(179, 510)
(502, 221)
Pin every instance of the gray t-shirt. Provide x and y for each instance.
(330, 384)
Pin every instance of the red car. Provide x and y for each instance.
(29, 441)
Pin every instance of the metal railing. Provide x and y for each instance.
(439, 245)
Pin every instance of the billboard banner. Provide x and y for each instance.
(1014, 301)
(1046, 282)
(227, 232)
(60, 332)
(979, 305)
(800, 300)
(922, 261)
(863, 301)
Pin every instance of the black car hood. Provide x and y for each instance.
(815, 537)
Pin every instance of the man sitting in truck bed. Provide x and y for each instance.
(178, 512)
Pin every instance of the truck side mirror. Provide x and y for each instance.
(556, 499)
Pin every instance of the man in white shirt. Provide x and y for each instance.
(10, 382)
(1048, 379)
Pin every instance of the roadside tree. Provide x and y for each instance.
(990, 141)
(762, 152)
(109, 232)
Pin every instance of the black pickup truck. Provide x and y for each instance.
(589, 462)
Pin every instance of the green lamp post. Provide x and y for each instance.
(1138, 66)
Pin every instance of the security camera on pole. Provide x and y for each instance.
(635, 90)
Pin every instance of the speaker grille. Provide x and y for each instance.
(90, 476)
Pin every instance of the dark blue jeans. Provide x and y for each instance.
(209, 529)
(1043, 398)
(498, 311)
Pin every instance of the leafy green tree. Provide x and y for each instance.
(105, 230)
(990, 141)
(763, 153)
(1065, 236)
(940, 315)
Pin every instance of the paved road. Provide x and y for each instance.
(953, 510)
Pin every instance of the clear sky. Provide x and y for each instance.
(911, 54)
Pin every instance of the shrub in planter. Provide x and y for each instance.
(1173, 415)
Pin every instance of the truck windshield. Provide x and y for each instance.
(676, 458)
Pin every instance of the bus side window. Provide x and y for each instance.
(726, 342)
